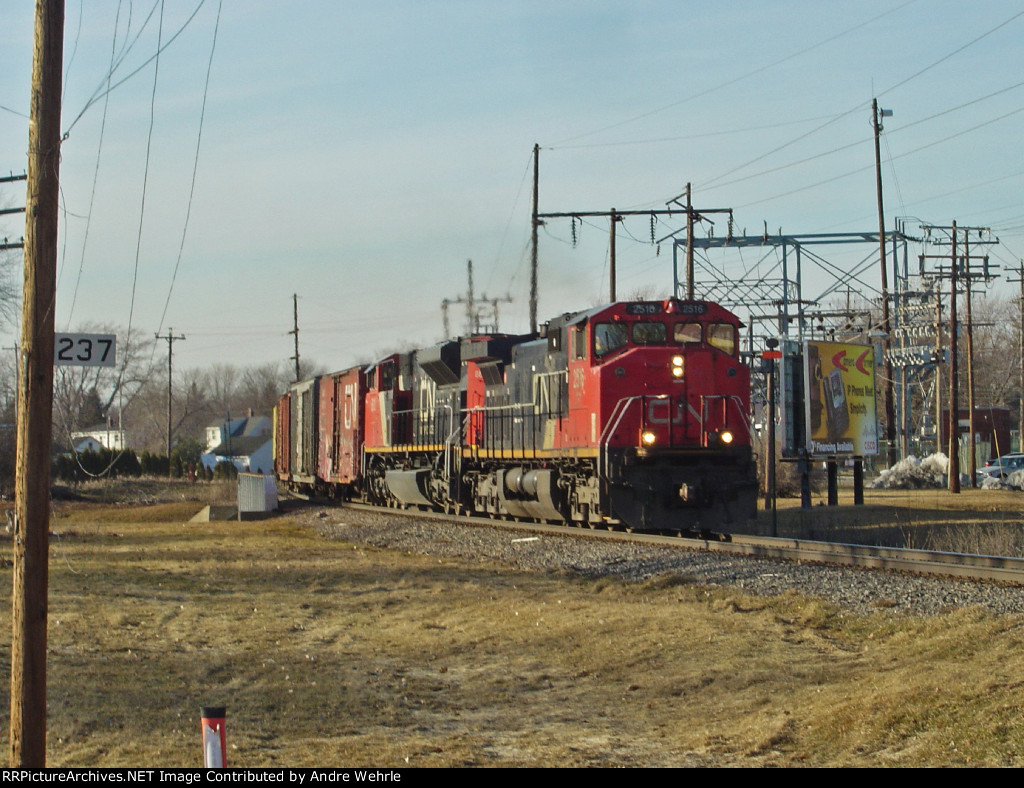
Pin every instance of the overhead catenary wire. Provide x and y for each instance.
(898, 156)
(718, 182)
(95, 176)
(195, 168)
(687, 137)
(508, 223)
(142, 205)
(714, 184)
(862, 105)
(740, 78)
(100, 92)
(74, 51)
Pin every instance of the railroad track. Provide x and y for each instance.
(920, 562)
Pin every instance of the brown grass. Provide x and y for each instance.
(330, 654)
(989, 522)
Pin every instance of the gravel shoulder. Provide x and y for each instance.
(857, 590)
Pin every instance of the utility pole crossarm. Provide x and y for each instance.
(615, 216)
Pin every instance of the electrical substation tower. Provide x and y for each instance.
(769, 278)
(482, 314)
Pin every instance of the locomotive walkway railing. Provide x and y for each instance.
(738, 406)
(516, 429)
(618, 413)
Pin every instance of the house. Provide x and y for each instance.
(97, 437)
(247, 443)
(84, 443)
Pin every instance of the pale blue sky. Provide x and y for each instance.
(357, 154)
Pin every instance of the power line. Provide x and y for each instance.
(740, 78)
(955, 52)
(914, 76)
(686, 137)
(145, 179)
(713, 185)
(898, 156)
(160, 48)
(195, 165)
(95, 175)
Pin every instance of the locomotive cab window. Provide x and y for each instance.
(723, 337)
(387, 375)
(382, 377)
(579, 341)
(609, 337)
(645, 333)
(687, 333)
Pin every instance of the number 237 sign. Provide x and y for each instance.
(84, 350)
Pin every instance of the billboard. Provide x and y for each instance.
(840, 399)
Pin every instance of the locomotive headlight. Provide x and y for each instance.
(648, 438)
(678, 366)
(725, 437)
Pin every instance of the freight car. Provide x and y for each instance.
(634, 413)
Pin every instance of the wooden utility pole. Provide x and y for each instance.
(890, 411)
(35, 396)
(938, 368)
(954, 374)
(170, 354)
(470, 300)
(956, 260)
(1020, 350)
(295, 331)
(535, 223)
(614, 216)
(1020, 353)
(689, 244)
(972, 464)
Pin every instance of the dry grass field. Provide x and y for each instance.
(988, 522)
(329, 654)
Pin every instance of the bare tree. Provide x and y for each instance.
(203, 396)
(996, 343)
(83, 395)
(11, 261)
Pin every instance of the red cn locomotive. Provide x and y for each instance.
(632, 413)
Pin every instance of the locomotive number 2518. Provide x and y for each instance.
(84, 350)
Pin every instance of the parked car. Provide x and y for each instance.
(1001, 467)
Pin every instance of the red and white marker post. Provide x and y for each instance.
(214, 738)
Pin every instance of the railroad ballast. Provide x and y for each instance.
(634, 413)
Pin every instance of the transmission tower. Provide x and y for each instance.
(481, 313)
